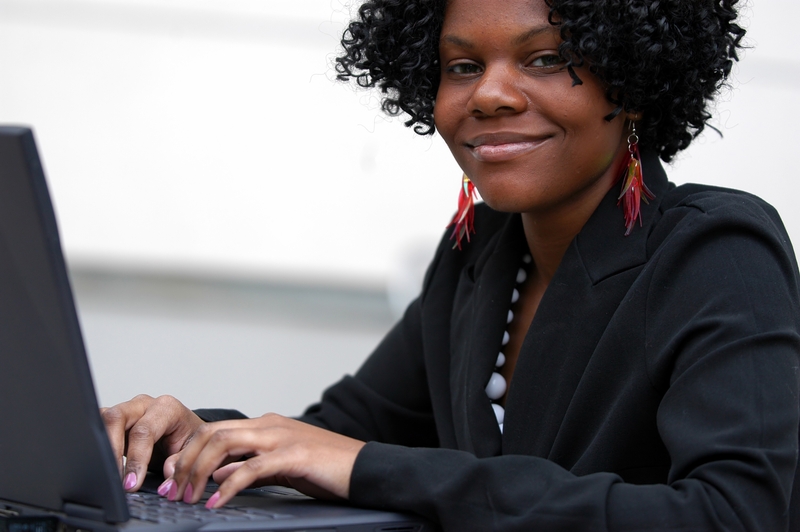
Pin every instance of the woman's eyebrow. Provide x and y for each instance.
(519, 39)
(534, 32)
(458, 41)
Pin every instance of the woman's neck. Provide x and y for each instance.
(550, 233)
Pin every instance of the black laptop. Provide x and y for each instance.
(57, 470)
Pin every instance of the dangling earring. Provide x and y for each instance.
(633, 188)
(464, 220)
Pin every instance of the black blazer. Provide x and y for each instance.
(657, 387)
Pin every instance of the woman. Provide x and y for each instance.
(620, 355)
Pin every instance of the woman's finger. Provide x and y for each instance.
(117, 420)
(169, 465)
(148, 422)
(189, 460)
(225, 443)
(281, 467)
(262, 468)
(225, 471)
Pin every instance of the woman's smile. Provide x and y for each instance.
(505, 146)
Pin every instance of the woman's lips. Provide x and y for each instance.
(498, 147)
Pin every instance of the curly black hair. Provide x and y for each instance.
(665, 59)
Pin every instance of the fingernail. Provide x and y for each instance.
(212, 500)
(130, 481)
(163, 489)
(172, 494)
(187, 494)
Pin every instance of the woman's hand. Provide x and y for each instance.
(145, 426)
(277, 450)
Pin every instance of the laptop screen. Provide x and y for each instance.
(53, 450)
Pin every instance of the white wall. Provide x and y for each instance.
(207, 136)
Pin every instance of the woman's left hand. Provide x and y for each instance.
(277, 450)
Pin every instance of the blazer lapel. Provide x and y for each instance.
(479, 320)
(595, 274)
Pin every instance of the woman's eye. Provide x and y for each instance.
(464, 68)
(546, 61)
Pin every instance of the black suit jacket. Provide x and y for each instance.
(657, 387)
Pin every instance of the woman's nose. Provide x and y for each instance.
(496, 93)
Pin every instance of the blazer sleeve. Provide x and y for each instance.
(720, 343)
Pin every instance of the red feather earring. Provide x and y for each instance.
(464, 220)
(633, 188)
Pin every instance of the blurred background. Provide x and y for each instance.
(241, 230)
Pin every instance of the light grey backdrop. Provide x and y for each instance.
(241, 229)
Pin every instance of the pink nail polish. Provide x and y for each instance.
(212, 500)
(172, 494)
(165, 486)
(130, 481)
(187, 494)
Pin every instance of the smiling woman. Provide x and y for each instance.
(606, 351)
(506, 109)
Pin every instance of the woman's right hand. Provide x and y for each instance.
(145, 428)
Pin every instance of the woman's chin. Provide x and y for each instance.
(502, 206)
(506, 203)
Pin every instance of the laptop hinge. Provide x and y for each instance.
(84, 512)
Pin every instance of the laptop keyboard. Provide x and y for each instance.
(151, 507)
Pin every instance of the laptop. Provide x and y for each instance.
(57, 470)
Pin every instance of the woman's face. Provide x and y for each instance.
(528, 139)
